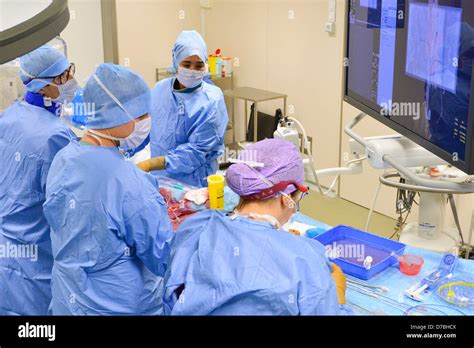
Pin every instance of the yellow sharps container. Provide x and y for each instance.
(215, 184)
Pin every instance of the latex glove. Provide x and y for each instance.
(156, 163)
(340, 280)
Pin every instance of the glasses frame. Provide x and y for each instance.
(63, 78)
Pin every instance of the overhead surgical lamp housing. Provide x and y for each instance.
(34, 32)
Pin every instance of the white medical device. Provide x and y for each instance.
(11, 86)
(401, 149)
(288, 129)
(413, 163)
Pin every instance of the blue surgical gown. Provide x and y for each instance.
(246, 267)
(30, 137)
(189, 129)
(110, 234)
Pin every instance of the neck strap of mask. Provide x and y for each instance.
(97, 135)
(255, 216)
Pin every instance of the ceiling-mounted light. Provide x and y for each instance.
(34, 32)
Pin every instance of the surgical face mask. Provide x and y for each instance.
(139, 134)
(67, 91)
(134, 140)
(292, 204)
(190, 78)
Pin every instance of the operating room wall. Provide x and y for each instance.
(281, 46)
(297, 57)
(83, 36)
(147, 30)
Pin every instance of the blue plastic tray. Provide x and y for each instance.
(355, 245)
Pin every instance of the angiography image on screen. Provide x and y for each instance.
(410, 66)
(433, 44)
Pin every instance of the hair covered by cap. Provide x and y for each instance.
(282, 162)
(129, 88)
(189, 43)
(44, 61)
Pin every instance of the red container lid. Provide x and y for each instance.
(410, 264)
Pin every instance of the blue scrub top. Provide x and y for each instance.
(224, 266)
(110, 234)
(30, 137)
(189, 129)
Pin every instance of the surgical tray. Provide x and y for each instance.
(350, 248)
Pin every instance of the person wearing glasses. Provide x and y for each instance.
(246, 264)
(31, 133)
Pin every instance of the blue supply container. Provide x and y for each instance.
(314, 232)
(79, 118)
(360, 254)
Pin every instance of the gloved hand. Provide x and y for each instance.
(340, 280)
(157, 163)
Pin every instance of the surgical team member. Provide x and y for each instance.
(189, 117)
(31, 134)
(109, 225)
(246, 264)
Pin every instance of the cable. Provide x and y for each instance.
(363, 158)
(399, 225)
(427, 306)
(403, 204)
(310, 155)
(471, 229)
(372, 207)
(456, 216)
(405, 199)
(329, 191)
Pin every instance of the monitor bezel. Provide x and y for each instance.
(467, 166)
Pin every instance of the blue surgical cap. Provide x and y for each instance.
(45, 61)
(126, 86)
(189, 43)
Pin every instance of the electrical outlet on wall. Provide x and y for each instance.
(330, 27)
(206, 4)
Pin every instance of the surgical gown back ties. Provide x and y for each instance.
(189, 129)
(246, 267)
(110, 234)
(30, 137)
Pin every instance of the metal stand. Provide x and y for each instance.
(254, 95)
(430, 231)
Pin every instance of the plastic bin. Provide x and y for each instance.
(352, 249)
